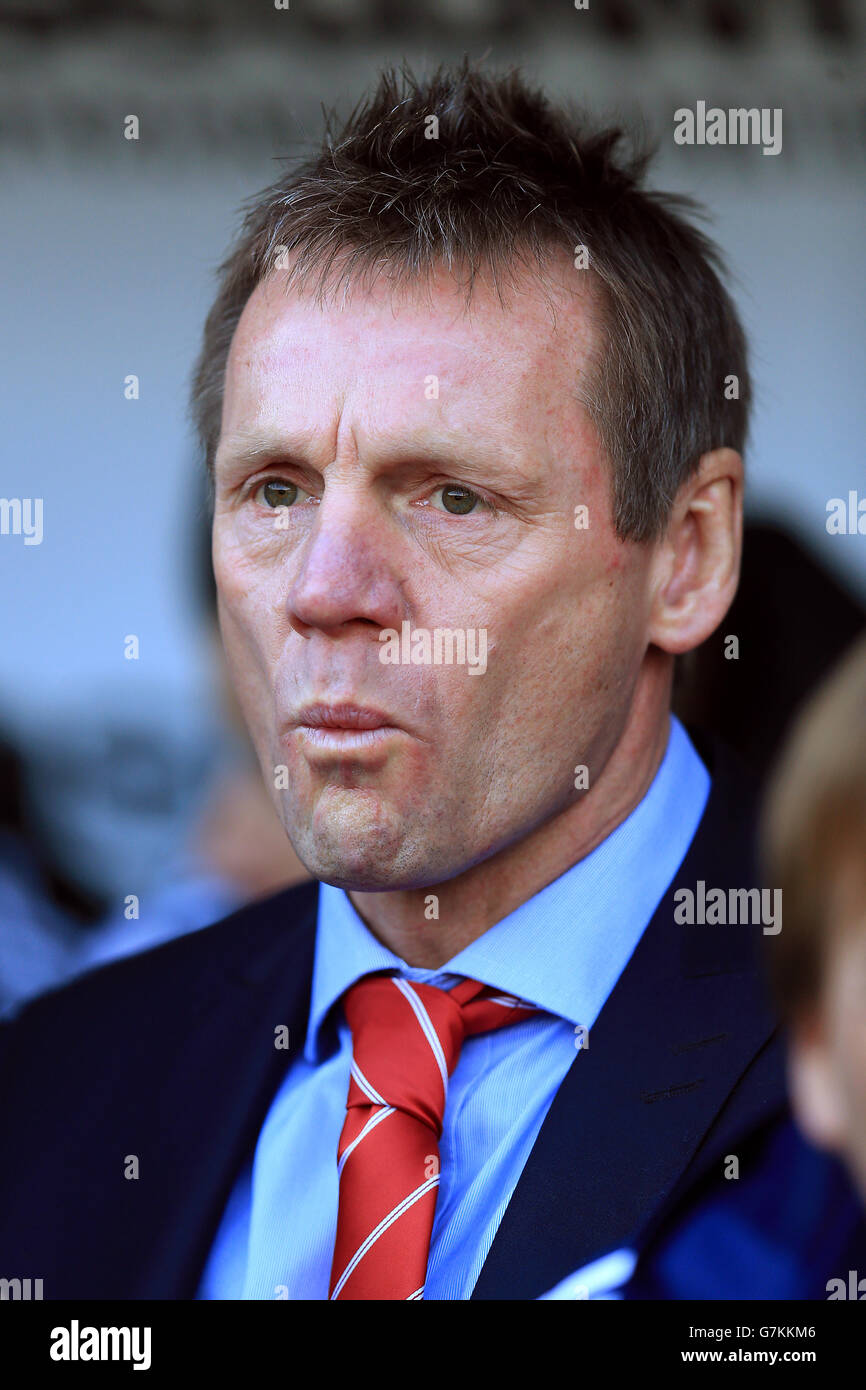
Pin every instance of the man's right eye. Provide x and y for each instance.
(276, 492)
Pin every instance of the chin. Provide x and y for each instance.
(347, 856)
(367, 866)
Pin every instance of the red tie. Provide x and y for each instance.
(406, 1041)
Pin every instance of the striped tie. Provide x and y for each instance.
(406, 1041)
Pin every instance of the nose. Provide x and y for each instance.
(348, 569)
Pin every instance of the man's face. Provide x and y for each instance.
(429, 461)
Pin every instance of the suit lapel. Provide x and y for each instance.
(680, 1027)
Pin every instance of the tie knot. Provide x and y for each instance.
(407, 1038)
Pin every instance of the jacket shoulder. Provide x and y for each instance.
(175, 979)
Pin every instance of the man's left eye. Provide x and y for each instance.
(277, 492)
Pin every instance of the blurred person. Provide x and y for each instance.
(93, 823)
(124, 831)
(42, 914)
(467, 382)
(815, 835)
(235, 851)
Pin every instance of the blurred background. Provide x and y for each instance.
(131, 808)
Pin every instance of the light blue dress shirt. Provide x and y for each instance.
(563, 950)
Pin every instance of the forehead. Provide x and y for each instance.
(376, 350)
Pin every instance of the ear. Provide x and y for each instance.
(812, 1082)
(696, 567)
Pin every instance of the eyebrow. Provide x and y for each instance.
(250, 448)
(494, 461)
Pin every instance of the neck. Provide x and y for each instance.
(485, 893)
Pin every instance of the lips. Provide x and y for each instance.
(345, 716)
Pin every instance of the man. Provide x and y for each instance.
(477, 481)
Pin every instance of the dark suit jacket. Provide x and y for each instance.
(169, 1056)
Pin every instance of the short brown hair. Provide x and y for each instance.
(814, 828)
(508, 179)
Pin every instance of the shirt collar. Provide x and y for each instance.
(564, 948)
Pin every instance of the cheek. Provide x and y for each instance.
(594, 632)
(238, 559)
(249, 596)
(566, 674)
(248, 634)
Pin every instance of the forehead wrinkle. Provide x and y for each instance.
(282, 347)
(386, 452)
(519, 460)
